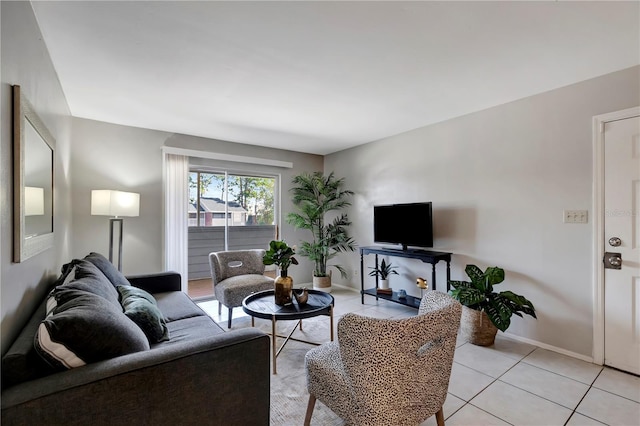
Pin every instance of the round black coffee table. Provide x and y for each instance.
(262, 305)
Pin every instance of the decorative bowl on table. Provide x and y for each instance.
(301, 296)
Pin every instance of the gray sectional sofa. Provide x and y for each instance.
(197, 375)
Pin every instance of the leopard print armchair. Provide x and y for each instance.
(236, 274)
(386, 371)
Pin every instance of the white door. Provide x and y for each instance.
(622, 241)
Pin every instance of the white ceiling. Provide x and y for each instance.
(319, 77)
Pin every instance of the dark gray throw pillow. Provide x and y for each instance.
(107, 268)
(86, 328)
(142, 308)
(91, 279)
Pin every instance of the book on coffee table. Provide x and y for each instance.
(384, 291)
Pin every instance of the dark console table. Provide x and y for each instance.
(427, 256)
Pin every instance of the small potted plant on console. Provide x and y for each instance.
(383, 271)
(484, 311)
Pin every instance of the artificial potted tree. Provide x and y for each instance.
(382, 271)
(315, 195)
(281, 255)
(484, 311)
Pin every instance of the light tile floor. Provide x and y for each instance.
(511, 382)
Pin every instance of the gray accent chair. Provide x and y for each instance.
(386, 371)
(237, 274)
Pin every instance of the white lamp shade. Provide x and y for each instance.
(105, 202)
(33, 201)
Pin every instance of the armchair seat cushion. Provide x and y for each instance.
(232, 291)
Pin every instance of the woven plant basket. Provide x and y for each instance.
(322, 283)
(477, 328)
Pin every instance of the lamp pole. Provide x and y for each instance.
(112, 222)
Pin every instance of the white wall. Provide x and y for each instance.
(499, 181)
(25, 62)
(111, 156)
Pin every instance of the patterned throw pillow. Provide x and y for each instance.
(85, 328)
(142, 308)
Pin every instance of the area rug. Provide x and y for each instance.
(289, 394)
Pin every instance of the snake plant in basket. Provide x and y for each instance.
(486, 311)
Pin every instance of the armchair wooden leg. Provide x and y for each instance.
(229, 321)
(440, 417)
(310, 405)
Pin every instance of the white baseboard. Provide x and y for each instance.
(550, 347)
(341, 286)
(511, 336)
(344, 287)
(310, 286)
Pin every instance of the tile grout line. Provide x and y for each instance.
(476, 394)
(557, 374)
(613, 393)
(573, 410)
(491, 414)
(495, 380)
(564, 375)
(582, 399)
(525, 390)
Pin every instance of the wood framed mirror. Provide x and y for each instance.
(33, 147)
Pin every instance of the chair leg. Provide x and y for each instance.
(219, 308)
(229, 322)
(440, 417)
(310, 405)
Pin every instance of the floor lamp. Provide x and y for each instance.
(105, 202)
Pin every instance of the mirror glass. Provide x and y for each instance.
(38, 182)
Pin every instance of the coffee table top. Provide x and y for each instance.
(262, 305)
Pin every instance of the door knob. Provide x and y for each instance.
(612, 260)
(615, 241)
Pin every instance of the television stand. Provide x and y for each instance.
(426, 256)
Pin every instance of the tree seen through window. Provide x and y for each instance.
(251, 200)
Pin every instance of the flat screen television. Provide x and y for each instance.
(405, 224)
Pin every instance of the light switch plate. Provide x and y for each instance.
(576, 216)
